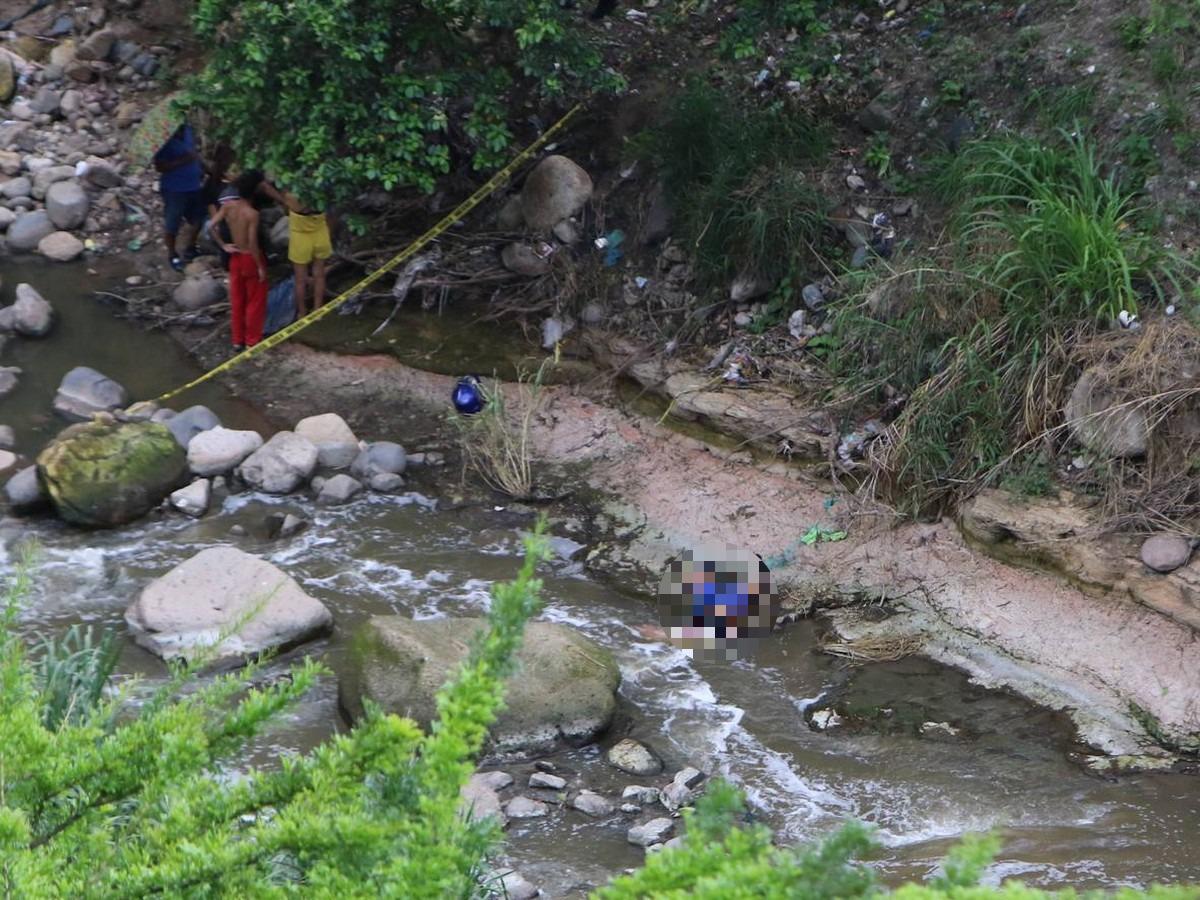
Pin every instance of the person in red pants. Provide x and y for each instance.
(247, 264)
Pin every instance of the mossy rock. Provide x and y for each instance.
(562, 694)
(104, 473)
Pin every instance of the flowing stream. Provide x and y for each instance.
(403, 555)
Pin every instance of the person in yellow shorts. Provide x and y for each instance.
(309, 245)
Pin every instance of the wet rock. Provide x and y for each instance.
(378, 458)
(24, 491)
(8, 437)
(28, 229)
(223, 591)
(280, 465)
(193, 500)
(8, 379)
(682, 789)
(547, 781)
(634, 758)
(337, 447)
(61, 246)
(643, 796)
(67, 204)
(338, 490)
(556, 189)
(198, 292)
(191, 422)
(289, 525)
(825, 719)
(940, 731)
(514, 886)
(524, 260)
(105, 473)
(526, 808)
(1099, 422)
(592, 804)
(219, 450)
(1166, 552)
(478, 801)
(386, 483)
(653, 832)
(83, 392)
(496, 780)
(1130, 764)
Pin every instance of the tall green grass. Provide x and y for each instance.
(1048, 248)
(734, 175)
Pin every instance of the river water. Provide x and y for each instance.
(404, 555)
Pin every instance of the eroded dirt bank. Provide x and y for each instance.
(1110, 663)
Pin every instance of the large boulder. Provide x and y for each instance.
(84, 392)
(191, 422)
(337, 447)
(197, 292)
(28, 229)
(280, 465)
(555, 190)
(67, 205)
(1101, 423)
(24, 491)
(564, 693)
(33, 315)
(219, 450)
(61, 246)
(224, 607)
(105, 473)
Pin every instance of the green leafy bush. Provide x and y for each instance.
(335, 96)
(125, 800)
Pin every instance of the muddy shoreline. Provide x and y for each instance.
(1111, 665)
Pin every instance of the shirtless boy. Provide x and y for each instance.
(247, 264)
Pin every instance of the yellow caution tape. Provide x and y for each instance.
(486, 190)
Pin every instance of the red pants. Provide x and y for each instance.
(247, 300)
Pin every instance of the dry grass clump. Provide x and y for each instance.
(874, 649)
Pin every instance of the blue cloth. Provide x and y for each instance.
(468, 396)
(281, 306)
(186, 178)
(180, 205)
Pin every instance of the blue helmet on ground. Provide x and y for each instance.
(468, 395)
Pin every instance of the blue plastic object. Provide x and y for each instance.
(468, 395)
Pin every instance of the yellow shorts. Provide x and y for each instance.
(308, 238)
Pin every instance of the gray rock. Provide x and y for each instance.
(689, 777)
(8, 380)
(47, 178)
(675, 795)
(1166, 552)
(378, 458)
(521, 259)
(8, 459)
(747, 287)
(566, 694)
(101, 174)
(97, 47)
(72, 102)
(16, 187)
(67, 204)
(337, 447)
(339, 489)
(46, 101)
(547, 781)
(653, 832)
(657, 226)
(224, 607)
(280, 465)
(193, 500)
(556, 189)
(478, 801)
(83, 392)
(7, 217)
(28, 229)
(592, 804)
(634, 757)
(61, 246)
(514, 886)
(24, 491)
(592, 314)
(876, 116)
(8, 319)
(813, 296)
(1103, 425)
(510, 218)
(8, 437)
(191, 422)
(218, 450)
(496, 780)
(526, 808)
(197, 292)
(292, 524)
(386, 483)
(567, 232)
(643, 796)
